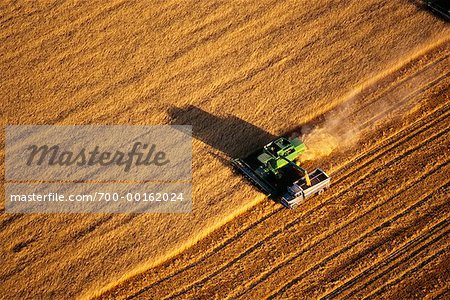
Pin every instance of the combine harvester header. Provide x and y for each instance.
(273, 170)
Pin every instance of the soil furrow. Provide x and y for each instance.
(414, 270)
(349, 227)
(435, 228)
(407, 261)
(391, 258)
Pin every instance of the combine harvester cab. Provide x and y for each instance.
(273, 171)
(441, 7)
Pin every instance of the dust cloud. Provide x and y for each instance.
(336, 131)
(345, 125)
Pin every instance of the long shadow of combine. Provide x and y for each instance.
(230, 135)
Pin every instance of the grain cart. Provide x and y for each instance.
(272, 169)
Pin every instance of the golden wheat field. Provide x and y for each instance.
(365, 83)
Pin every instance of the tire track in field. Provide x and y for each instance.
(423, 264)
(391, 108)
(379, 93)
(407, 63)
(297, 279)
(412, 271)
(394, 266)
(391, 258)
(297, 221)
(427, 126)
(294, 256)
(377, 247)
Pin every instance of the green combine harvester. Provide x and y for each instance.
(273, 170)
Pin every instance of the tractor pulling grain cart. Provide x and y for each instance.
(272, 169)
